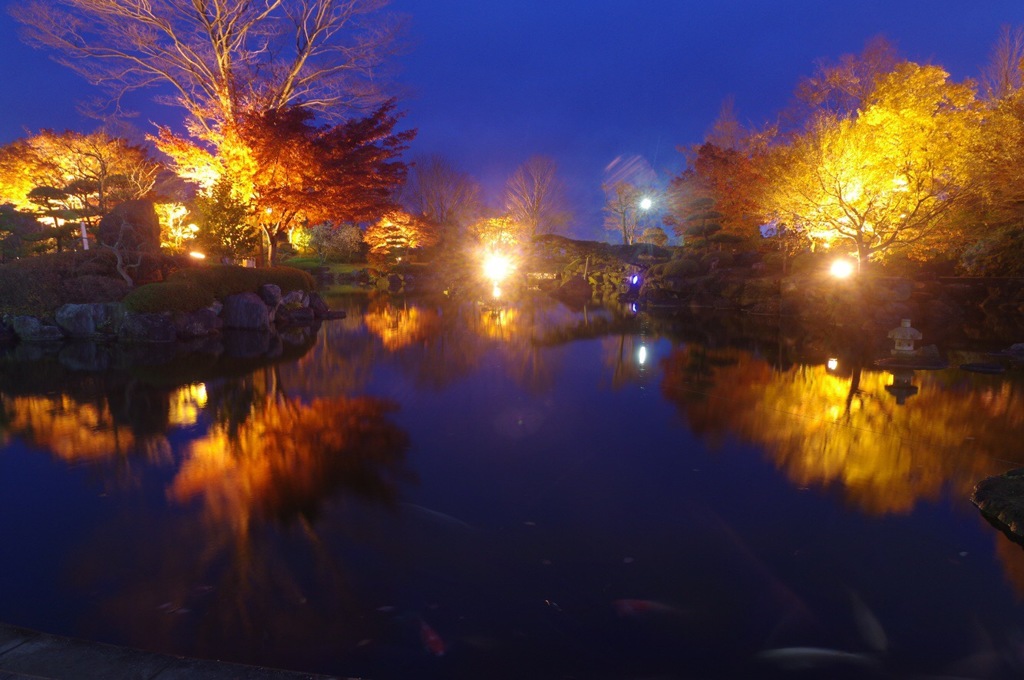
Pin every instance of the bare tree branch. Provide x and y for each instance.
(535, 198)
(218, 57)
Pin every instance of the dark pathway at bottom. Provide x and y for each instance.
(31, 655)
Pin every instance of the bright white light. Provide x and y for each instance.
(197, 255)
(641, 355)
(833, 364)
(496, 292)
(841, 268)
(646, 203)
(497, 267)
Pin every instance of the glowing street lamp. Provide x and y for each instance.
(497, 267)
(841, 268)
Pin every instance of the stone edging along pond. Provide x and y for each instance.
(263, 311)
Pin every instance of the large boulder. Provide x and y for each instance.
(31, 329)
(132, 226)
(90, 320)
(246, 311)
(575, 291)
(148, 327)
(197, 324)
(296, 298)
(291, 316)
(1001, 500)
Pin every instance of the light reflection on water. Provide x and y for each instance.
(455, 490)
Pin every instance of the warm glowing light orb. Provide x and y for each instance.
(497, 267)
(496, 292)
(833, 364)
(197, 255)
(841, 269)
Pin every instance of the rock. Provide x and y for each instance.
(319, 307)
(392, 283)
(1001, 500)
(197, 324)
(148, 327)
(270, 293)
(31, 329)
(296, 298)
(90, 320)
(7, 334)
(295, 316)
(574, 290)
(246, 311)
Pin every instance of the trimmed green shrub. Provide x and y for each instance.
(168, 296)
(684, 266)
(224, 280)
(94, 288)
(40, 284)
(219, 280)
(287, 278)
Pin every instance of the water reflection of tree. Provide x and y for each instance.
(823, 429)
(111, 427)
(274, 486)
(440, 341)
(286, 457)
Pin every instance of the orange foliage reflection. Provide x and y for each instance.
(498, 323)
(74, 431)
(399, 327)
(822, 429)
(78, 431)
(287, 457)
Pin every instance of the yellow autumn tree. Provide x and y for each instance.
(887, 177)
(87, 174)
(498, 231)
(398, 232)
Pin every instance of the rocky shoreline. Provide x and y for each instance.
(265, 311)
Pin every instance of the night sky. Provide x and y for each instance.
(488, 84)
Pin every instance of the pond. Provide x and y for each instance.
(449, 489)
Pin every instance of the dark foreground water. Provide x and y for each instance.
(447, 490)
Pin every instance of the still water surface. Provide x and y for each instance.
(438, 489)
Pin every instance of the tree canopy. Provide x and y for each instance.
(883, 179)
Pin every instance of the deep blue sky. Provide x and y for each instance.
(488, 84)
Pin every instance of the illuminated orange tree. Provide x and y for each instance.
(396, 233)
(714, 199)
(70, 176)
(888, 177)
(305, 173)
(291, 172)
(503, 230)
(996, 239)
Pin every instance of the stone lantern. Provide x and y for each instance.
(904, 338)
